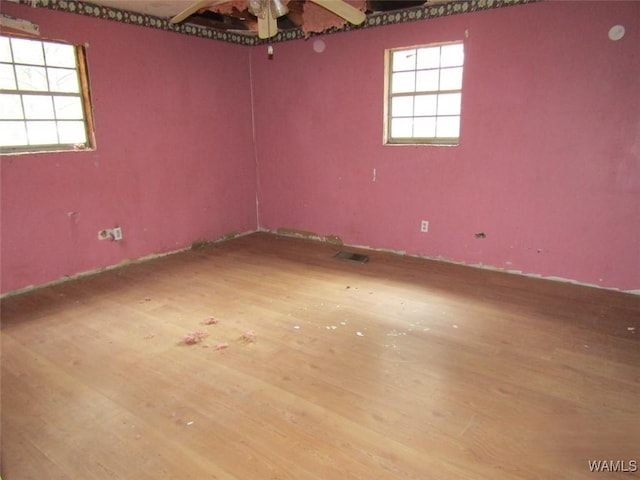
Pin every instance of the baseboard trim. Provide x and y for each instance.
(301, 235)
(330, 239)
(68, 278)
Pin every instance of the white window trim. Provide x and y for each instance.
(415, 141)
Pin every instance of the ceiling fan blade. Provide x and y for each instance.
(193, 8)
(267, 25)
(343, 9)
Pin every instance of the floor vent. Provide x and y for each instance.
(356, 257)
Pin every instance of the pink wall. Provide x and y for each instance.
(175, 160)
(549, 161)
(548, 166)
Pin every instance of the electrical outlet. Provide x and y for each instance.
(424, 226)
(114, 233)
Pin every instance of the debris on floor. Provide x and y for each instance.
(395, 333)
(222, 346)
(150, 336)
(360, 334)
(631, 329)
(210, 321)
(192, 338)
(297, 327)
(248, 336)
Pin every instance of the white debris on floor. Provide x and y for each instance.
(395, 333)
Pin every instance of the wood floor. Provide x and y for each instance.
(398, 368)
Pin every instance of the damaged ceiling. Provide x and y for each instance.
(231, 21)
(234, 15)
(305, 15)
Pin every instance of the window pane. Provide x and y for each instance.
(402, 127)
(425, 127)
(12, 134)
(5, 50)
(59, 55)
(429, 57)
(449, 104)
(63, 80)
(27, 51)
(31, 78)
(38, 107)
(42, 133)
(68, 108)
(403, 82)
(451, 78)
(448, 127)
(452, 55)
(427, 81)
(426, 105)
(402, 107)
(72, 132)
(7, 77)
(10, 107)
(404, 60)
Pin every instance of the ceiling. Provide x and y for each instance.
(233, 15)
(231, 22)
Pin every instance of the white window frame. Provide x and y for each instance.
(431, 106)
(25, 123)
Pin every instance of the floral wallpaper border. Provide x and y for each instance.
(454, 7)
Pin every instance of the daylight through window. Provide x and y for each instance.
(424, 94)
(44, 100)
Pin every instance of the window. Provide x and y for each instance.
(44, 97)
(424, 94)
